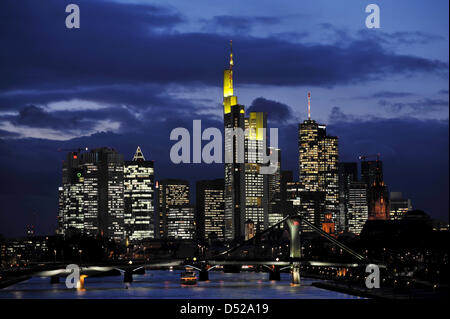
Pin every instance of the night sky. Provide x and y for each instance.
(137, 69)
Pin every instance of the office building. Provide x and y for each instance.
(348, 173)
(91, 198)
(398, 206)
(318, 168)
(173, 193)
(234, 194)
(139, 198)
(181, 222)
(210, 210)
(256, 184)
(358, 210)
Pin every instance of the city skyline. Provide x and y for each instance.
(414, 147)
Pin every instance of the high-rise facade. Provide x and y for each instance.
(318, 168)
(276, 210)
(139, 198)
(246, 193)
(173, 193)
(358, 210)
(348, 173)
(398, 206)
(91, 198)
(181, 222)
(210, 210)
(234, 194)
(256, 184)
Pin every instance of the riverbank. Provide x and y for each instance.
(381, 293)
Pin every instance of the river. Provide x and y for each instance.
(166, 284)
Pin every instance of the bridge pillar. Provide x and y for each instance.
(294, 224)
(128, 276)
(274, 273)
(54, 279)
(295, 253)
(295, 273)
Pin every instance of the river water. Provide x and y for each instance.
(166, 284)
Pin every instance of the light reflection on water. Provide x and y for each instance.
(165, 284)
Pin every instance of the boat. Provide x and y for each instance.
(188, 277)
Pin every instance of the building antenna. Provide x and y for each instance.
(231, 54)
(309, 105)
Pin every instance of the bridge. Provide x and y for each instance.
(225, 259)
(295, 259)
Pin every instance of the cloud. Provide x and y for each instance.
(401, 38)
(237, 24)
(422, 105)
(388, 95)
(277, 112)
(136, 44)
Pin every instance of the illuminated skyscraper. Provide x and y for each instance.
(256, 184)
(306, 203)
(173, 193)
(276, 211)
(210, 210)
(181, 222)
(91, 198)
(138, 198)
(318, 167)
(348, 173)
(234, 164)
(358, 211)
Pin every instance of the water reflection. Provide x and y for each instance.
(166, 284)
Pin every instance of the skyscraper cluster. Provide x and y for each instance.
(101, 194)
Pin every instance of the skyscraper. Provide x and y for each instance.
(92, 193)
(181, 222)
(256, 184)
(398, 205)
(234, 163)
(318, 168)
(276, 210)
(138, 197)
(173, 193)
(357, 207)
(210, 210)
(348, 173)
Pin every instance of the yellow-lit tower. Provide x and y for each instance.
(229, 99)
(234, 193)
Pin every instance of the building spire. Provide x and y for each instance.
(309, 105)
(231, 54)
(229, 99)
(138, 156)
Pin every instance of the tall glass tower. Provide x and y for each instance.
(318, 167)
(234, 194)
(138, 198)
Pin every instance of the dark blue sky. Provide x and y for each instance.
(137, 69)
